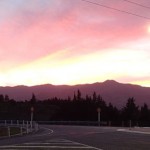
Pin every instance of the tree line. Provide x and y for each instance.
(75, 109)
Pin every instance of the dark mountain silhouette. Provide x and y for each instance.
(111, 91)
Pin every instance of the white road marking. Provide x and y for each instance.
(60, 144)
(85, 145)
(50, 131)
(51, 143)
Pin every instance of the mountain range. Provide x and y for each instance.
(110, 91)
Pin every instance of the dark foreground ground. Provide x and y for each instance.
(80, 138)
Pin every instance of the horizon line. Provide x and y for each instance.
(108, 80)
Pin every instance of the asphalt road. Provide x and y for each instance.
(78, 138)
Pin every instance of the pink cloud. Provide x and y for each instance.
(34, 32)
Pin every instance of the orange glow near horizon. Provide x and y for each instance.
(57, 69)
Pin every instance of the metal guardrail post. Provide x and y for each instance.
(23, 123)
(36, 127)
(21, 130)
(17, 122)
(27, 127)
(122, 124)
(130, 123)
(5, 122)
(8, 131)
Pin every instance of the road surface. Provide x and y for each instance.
(78, 138)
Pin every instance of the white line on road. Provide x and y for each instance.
(50, 131)
(85, 145)
(60, 143)
(55, 144)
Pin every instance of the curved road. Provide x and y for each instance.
(78, 138)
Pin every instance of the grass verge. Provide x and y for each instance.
(13, 131)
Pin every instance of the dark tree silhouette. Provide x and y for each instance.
(6, 98)
(77, 108)
(131, 111)
(74, 97)
(94, 97)
(33, 99)
(78, 95)
(144, 115)
(2, 98)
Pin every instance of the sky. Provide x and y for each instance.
(74, 42)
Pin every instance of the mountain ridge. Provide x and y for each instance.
(110, 90)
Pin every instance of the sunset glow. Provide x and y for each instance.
(72, 42)
(148, 29)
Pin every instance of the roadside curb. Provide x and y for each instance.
(140, 130)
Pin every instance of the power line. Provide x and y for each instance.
(138, 4)
(126, 12)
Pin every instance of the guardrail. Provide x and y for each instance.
(24, 127)
(129, 123)
(82, 123)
